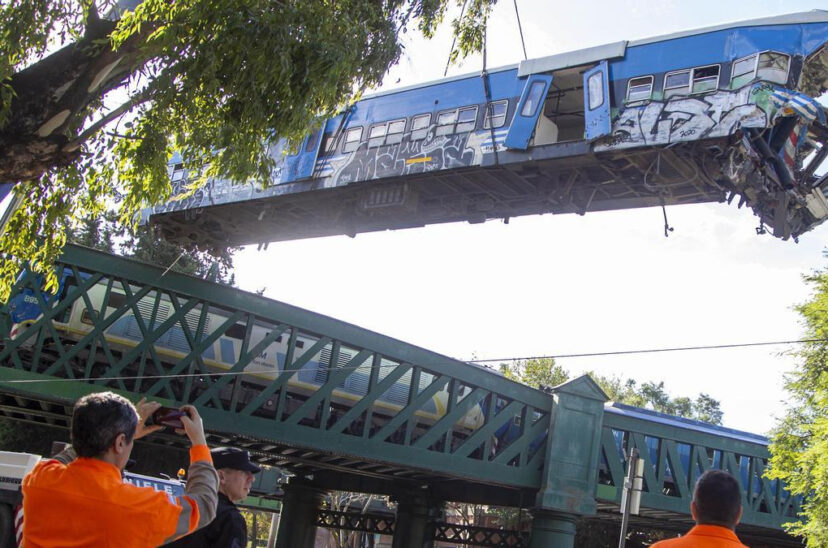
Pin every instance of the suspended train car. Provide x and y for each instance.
(717, 114)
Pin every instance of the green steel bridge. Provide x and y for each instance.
(443, 440)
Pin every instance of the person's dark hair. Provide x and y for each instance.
(718, 499)
(98, 419)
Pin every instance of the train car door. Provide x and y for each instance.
(528, 109)
(597, 102)
(300, 165)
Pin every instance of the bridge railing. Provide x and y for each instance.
(268, 371)
(675, 455)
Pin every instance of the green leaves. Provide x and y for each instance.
(215, 80)
(799, 444)
(540, 372)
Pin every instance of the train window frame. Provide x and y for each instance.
(117, 300)
(631, 88)
(534, 99)
(467, 125)
(350, 144)
(328, 143)
(236, 331)
(395, 137)
(595, 91)
(313, 141)
(704, 81)
(376, 135)
(419, 133)
(778, 54)
(178, 173)
(669, 91)
(446, 122)
(498, 119)
(751, 74)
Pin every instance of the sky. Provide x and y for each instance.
(564, 284)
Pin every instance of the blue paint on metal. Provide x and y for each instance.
(597, 120)
(716, 47)
(529, 108)
(300, 165)
(5, 188)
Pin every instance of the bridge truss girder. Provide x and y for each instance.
(358, 447)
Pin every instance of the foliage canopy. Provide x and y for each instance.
(799, 444)
(545, 372)
(94, 98)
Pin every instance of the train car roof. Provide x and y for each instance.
(615, 50)
(618, 49)
(685, 424)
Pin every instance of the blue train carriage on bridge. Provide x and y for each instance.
(718, 114)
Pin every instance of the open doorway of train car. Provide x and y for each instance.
(562, 118)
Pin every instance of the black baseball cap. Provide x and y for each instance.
(231, 457)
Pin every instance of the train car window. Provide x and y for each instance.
(86, 317)
(495, 115)
(466, 120)
(376, 135)
(328, 142)
(352, 138)
(743, 71)
(773, 67)
(116, 300)
(177, 172)
(396, 129)
(534, 99)
(419, 126)
(676, 83)
(236, 331)
(300, 344)
(705, 78)
(639, 89)
(313, 141)
(445, 122)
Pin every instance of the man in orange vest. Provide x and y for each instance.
(716, 508)
(79, 499)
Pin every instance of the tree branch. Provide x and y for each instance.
(94, 128)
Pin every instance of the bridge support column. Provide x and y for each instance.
(570, 468)
(297, 522)
(552, 529)
(414, 522)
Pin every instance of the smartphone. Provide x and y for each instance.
(167, 416)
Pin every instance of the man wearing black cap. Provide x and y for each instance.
(228, 530)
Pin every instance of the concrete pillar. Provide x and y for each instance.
(297, 521)
(414, 522)
(552, 529)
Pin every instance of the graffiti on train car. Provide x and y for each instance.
(409, 157)
(691, 118)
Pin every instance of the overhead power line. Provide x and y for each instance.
(291, 370)
(649, 350)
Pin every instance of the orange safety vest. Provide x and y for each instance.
(703, 536)
(87, 504)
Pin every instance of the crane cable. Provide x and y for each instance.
(484, 75)
(454, 39)
(520, 30)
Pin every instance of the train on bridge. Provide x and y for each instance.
(279, 357)
(727, 113)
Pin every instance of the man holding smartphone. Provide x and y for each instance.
(229, 529)
(79, 499)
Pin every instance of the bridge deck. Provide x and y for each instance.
(559, 178)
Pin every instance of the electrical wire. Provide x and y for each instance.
(430, 366)
(651, 350)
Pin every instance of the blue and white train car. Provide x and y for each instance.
(716, 114)
(225, 351)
